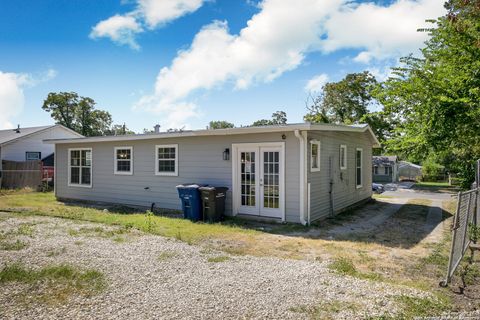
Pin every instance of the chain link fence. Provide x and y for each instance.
(467, 213)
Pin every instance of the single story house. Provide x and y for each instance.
(385, 169)
(296, 173)
(409, 171)
(27, 144)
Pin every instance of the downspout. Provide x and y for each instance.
(302, 140)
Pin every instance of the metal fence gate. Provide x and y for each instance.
(467, 213)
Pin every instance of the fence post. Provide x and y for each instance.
(476, 217)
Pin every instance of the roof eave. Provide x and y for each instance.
(220, 132)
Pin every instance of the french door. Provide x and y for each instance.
(259, 180)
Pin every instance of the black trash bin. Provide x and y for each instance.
(191, 201)
(213, 203)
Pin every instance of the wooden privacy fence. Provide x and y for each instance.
(21, 174)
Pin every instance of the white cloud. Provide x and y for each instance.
(159, 12)
(278, 38)
(12, 99)
(381, 32)
(316, 83)
(122, 29)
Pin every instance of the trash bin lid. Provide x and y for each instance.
(189, 185)
(209, 188)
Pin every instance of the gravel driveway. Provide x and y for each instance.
(151, 277)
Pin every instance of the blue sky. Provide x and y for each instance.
(186, 62)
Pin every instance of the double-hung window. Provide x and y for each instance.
(358, 167)
(166, 160)
(343, 157)
(123, 157)
(80, 167)
(314, 155)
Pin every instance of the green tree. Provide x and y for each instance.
(436, 98)
(345, 101)
(77, 113)
(220, 124)
(278, 118)
(62, 107)
(119, 129)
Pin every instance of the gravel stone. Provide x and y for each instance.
(144, 284)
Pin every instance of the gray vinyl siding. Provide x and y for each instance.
(199, 160)
(344, 189)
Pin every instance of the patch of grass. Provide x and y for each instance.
(53, 283)
(346, 267)
(218, 259)
(415, 307)
(166, 255)
(12, 245)
(25, 229)
(343, 266)
(45, 204)
(441, 187)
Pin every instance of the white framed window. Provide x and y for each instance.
(375, 170)
(33, 155)
(343, 157)
(386, 170)
(123, 160)
(359, 167)
(166, 160)
(314, 155)
(80, 167)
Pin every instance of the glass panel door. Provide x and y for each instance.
(270, 183)
(260, 181)
(248, 181)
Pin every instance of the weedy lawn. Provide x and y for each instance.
(397, 250)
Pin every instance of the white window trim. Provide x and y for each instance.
(170, 174)
(70, 171)
(343, 166)
(361, 168)
(115, 160)
(312, 169)
(37, 152)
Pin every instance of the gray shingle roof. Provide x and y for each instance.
(12, 134)
(384, 160)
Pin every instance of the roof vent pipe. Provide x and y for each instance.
(18, 129)
(156, 128)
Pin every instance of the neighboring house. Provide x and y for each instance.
(296, 173)
(26, 144)
(409, 171)
(23, 144)
(385, 169)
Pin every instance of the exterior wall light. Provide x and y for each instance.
(226, 154)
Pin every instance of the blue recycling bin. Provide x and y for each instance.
(191, 201)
